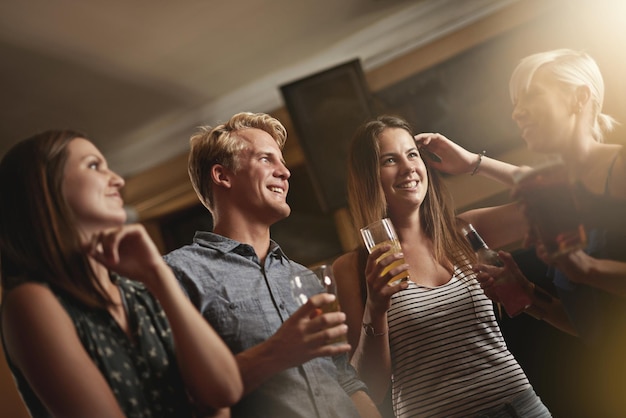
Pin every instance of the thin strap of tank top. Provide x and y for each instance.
(608, 175)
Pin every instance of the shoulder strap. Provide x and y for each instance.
(608, 175)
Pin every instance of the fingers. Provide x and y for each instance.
(423, 141)
(508, 260)
(492, 271)
(485, 279)
(319, 301)
(327, 327)
(316, 305)
(381, 258)
(381, 270)
(575, 264)
(486, 274)
(373, 258)
(322, 331)
(115, 246)
(425, 138)
(326, 338)
(103, 246)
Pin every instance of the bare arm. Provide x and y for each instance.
(303, 336)
(371, 356)
(579, 267)
(457, 160)
(207, 366)
(365, 405)
(42, 342)
(499, 226)
(350, 296)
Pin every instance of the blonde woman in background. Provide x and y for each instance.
(557, 101)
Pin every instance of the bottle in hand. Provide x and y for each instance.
(509, 291)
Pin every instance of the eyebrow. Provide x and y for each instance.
(403, 152)
(91, 155)
(272, 154)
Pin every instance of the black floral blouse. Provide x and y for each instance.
(143, 373)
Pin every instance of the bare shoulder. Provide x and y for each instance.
(42, 342)
(32, 315)
(30, 297)
(345, 266)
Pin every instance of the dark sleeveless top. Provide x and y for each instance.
(144, 375)
(599, 316)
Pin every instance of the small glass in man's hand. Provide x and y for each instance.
(308, 283)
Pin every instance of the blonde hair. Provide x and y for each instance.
(222, 145)
(573, 68)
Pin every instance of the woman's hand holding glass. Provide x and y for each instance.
(379, 292)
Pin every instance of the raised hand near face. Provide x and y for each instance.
(450, 157)
(127, 250)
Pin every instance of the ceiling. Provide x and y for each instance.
(139, 76)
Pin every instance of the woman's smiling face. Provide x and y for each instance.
(545, 114)
(402, 171)
(91, 189)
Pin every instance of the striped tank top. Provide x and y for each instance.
(448, 355)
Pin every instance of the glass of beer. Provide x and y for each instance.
(551, 208)
(381, 233)
(320, 279)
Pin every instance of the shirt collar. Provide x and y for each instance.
(225, 245)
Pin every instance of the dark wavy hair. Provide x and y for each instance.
(39, 239)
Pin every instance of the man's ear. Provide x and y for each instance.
(220, 175)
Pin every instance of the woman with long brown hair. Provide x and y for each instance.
(93, 321)
(434, 338)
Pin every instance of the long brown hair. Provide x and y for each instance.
(367, 200)
(39, 239)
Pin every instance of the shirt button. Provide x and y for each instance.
(232, 305)
(282, 306)
(316, 392)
